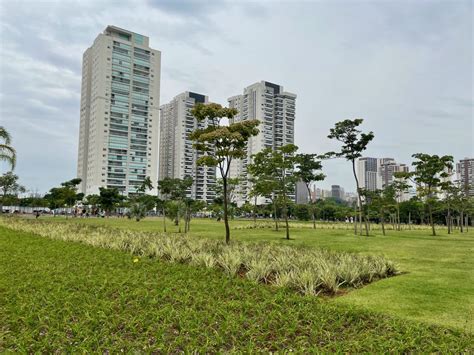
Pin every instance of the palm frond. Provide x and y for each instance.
(5, 135)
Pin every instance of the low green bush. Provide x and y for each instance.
(309, 271)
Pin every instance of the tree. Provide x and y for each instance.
(274, 168)
(354, 142)
(381, 201)
(140, 204)
(138, 210)
(69, 192)
(456, 199)
(176, 190)
(191, 206)
(7, 152)
(145, 185)
(221, 144)
(93, 201)
(109, 198)
(308, 166)
(8, 186)
(263, 182)
(451, 193)
(165, 187)
(65, 195)
(400, 186)
(430, 171)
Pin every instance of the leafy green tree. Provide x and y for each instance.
(7, 152)
(69, 192)
(94, 202)
(165, 187)
(354, 142)
(381, 201)
(263, 182)
(191, 207)
(9, 186)
(221, 144)
(141, 203)
(429, 173)
(138, 210)
(451, 193)
(65, 195)
(412, 211)
(109, 198)
(174, 189)
(308, 167)
(145, 186)
(400, 185)
(456, 198)
(277, 171)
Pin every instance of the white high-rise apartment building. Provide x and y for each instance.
(367, 171)
(378, 173)
(275, 109)
(387, 168)
(178, 158)
(120, 98)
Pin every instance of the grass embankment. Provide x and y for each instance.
(70, 297)
(438, 287)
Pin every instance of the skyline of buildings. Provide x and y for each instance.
(120, 98)
(275, 109)
(125, 135)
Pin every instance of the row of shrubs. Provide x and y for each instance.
(309, 271)
(329, 225)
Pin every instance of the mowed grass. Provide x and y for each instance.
(60, 296)
(436, 288)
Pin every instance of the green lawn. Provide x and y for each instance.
(437, 288)
(60, 296)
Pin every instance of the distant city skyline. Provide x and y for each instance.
(405, 67)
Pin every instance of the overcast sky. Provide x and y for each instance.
(406, 67)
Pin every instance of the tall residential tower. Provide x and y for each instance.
(465, 175)
(178, 158)
(275, 109)
(120, 98)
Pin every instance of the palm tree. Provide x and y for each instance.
(7, 152)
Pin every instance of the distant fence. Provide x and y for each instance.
(25, 209)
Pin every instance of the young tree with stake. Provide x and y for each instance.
(221, 143)
(308, 167)
(354, 142)
(428, 175)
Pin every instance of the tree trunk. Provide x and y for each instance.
(447, 224)
(275, 215)
(448, 220)
(409, 220)
(187, 222)
(355, 221)
(398, 216)
(359, 199)
(382, 221)
(286, 221)
(164, 218)
(311, 203)
(462, 222)
(431, 220)
(255, 212)
(226, 216)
